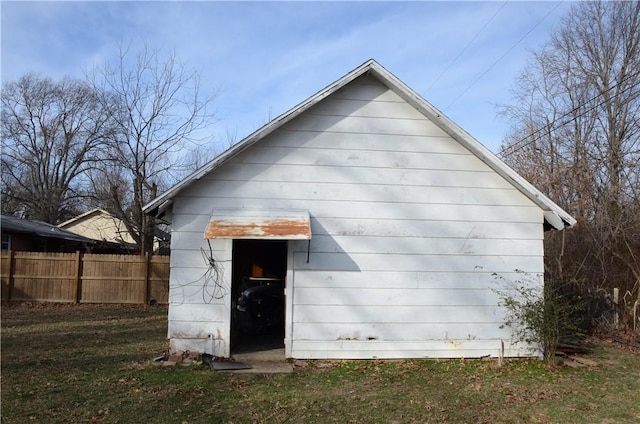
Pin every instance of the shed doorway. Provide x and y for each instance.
(258, 275)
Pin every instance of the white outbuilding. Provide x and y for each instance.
(362, 223)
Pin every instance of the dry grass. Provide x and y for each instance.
(84, 363)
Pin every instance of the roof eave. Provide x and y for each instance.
(82, 216)
(478, 149)
(162, 202)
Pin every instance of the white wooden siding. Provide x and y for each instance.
(367, 142)
(448, 348)
(452, 280)
(374, 296)
(342, 158)
(373, 176)
(372, 210)
(199, 310)
(408, 227)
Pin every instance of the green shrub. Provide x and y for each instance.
(541, 316)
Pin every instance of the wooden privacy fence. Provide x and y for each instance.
(84, 278)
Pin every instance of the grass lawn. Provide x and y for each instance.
(93, 364)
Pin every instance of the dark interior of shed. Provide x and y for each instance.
(258, 302)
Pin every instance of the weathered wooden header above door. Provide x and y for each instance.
(272, 224)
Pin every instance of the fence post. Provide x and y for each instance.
(147, 285)
(77, 294)
(11, 271)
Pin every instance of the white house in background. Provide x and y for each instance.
(99, 224)
(369, 226)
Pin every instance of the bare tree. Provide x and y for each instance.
(52, 134)
(156, 105)
(200, 154)
(576, 134)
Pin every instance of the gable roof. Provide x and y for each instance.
(554, 215)
(95, 211)
(158, 233)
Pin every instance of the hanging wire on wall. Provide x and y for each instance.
(214, 286)
(212, 280)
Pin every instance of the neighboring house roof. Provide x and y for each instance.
(40, 229)
(82, 216)
(554, 215)
(99, 224)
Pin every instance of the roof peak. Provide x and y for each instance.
(163, 201)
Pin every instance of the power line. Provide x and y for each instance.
(502, 57)
(466, 47)
(552, 126)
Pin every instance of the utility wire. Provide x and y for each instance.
(552, 126)
(501, 57)
(466, 47)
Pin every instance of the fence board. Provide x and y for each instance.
(43, 277)
(84, 278)
(113, 279)
(159, 278)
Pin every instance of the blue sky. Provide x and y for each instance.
(263, 58)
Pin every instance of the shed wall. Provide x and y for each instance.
(409, 229)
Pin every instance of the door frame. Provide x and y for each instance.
(288, 296)
(288, 301)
